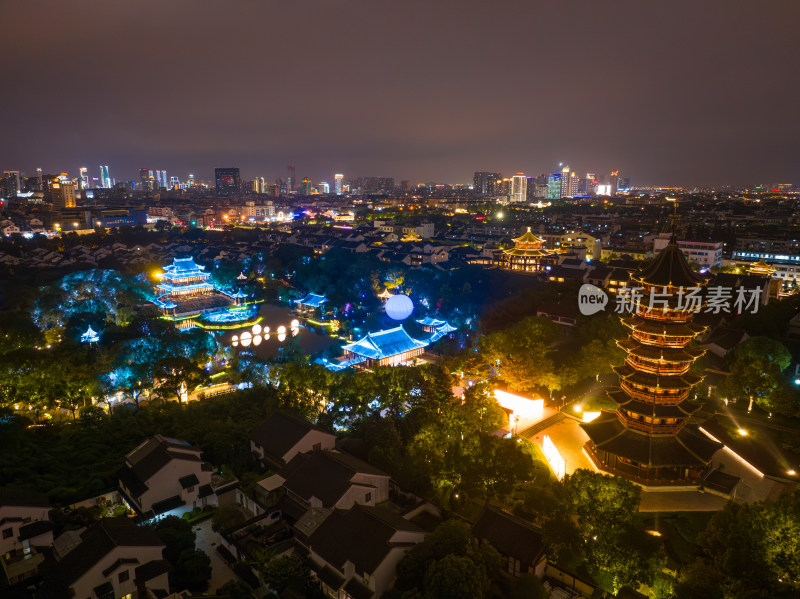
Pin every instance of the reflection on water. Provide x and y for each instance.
(278, 325)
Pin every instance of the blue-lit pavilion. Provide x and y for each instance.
(184, 278)
(310, 304)
(90, 336)
(384, 348)
(438, 328)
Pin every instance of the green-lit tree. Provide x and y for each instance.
(757, 546)
(755, 371)
(521, 355)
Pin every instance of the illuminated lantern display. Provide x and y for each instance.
(648, 438)
(399, 307)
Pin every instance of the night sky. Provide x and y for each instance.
(677, 92)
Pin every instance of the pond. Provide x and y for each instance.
(274, 331)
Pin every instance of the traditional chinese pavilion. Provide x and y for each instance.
(528, 254)
(384, 348)
(649, 438)
(438, 328)
(761, 268)
(183, 279)
(311, 305)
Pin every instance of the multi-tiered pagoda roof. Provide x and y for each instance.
(650, 438)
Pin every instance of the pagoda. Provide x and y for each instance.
(528, 254)
(649, 438)
(183, 279)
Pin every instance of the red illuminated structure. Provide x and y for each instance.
(649, 438)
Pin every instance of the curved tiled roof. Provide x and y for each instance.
(687, 447)
(670, 268)
(670, 329)
(654, 352)
(656, 410)
(528, 237)
(668, 381)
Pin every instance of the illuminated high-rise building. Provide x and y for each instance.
(161, 179)
(338, 184)
(83, 178)
(190, 180)
(228, 180)
(486, 183)
(174, 183)
(519, 188)
(306, 189)
(588, 185)
(554, 186)
(13, 183)
(62, 191)
(105, 178)
(324, 188)
(614, 182)
(565, 180)
(291, 180)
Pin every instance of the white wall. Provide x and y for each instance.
(13, 512)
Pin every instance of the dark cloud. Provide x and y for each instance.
(685, 91)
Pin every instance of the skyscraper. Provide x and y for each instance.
(62, 192)
(146, 180)
(13, 184)
(105, 178)
(485, 183)
(161, 179)
(519, 188)
(614, 182)
(83, 178)
(324, 188)
(338, 184)
(306, 190)
(228, 180)
(554, 186)
(291, 181)
(564, 191)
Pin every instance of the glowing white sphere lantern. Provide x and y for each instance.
(295, 323)
(256, 329)
(235, 338)
(281, 337)
(281, 330)
(246, 335)
(246, 341)
(235, 344)
(399, 307)
(265, 330)
(257, 340)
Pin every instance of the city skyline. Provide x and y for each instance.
(411, 92)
